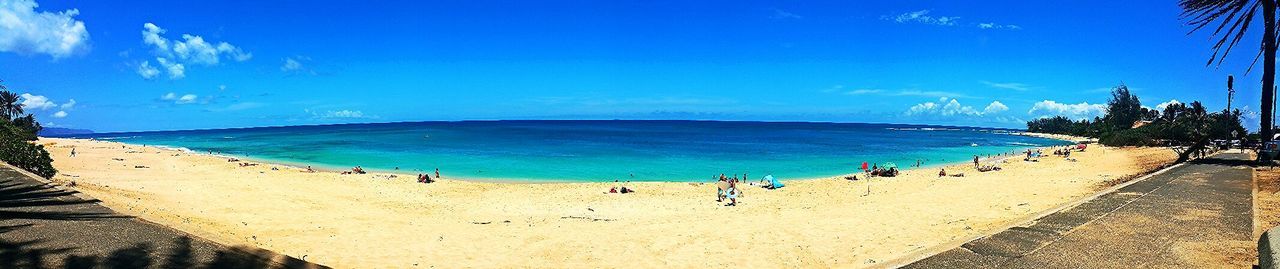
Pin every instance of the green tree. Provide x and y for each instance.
(10, 105)
(1235, 17)
(1123, 109)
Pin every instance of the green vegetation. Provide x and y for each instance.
(1186, 125)
(16, 136)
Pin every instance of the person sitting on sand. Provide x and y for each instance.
(625, 190)
(614, 189)
(309, 170)
(942, 173)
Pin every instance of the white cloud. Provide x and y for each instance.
(186, 99)
(34, 102)
(25, 31)
(71, 103)
(173, 55)
(192, 48)
(995, 107)
(992, 25)
(1083, 110)
(922, 16)
(947, 107)
(339, 114)
(291, 64)
(176, 70)
(1008, 85)
(60, 114)
(1161, 106)
(783, 14)
(864, 91)
(151, 36)
(183, 99)
(147, 71)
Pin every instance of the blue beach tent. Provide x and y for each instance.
(774, 181)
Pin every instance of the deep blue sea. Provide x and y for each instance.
(597, 150)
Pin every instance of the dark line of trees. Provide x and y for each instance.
(17, 134)
(1127, 123)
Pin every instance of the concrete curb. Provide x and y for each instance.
(1268, 245)
(938, 249)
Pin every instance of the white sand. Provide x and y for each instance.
(369, 221)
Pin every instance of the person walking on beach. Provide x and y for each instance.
(73, 151)
(975, 161)
(437, 172)
(722, 188)
(732, 193)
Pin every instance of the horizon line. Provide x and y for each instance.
(516, 120)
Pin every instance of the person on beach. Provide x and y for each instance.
(942, 173)
(722, 188)
(437, 172)
(732, 194)
(425, 178)
(309, 170)
(975, 161)
(614, 189)
(625, 190)
(73, 151)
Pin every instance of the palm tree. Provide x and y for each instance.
(10, 106)
(1235, 16)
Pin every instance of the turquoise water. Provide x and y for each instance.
(598, 150)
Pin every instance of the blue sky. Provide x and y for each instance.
(165, 65)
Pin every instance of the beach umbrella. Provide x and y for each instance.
(890, 165)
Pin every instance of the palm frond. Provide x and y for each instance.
(1231, 20)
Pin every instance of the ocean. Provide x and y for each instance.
(596, 151)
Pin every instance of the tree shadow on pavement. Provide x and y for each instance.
(27, 254)
(25, 204)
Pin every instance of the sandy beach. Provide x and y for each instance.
(384, 220)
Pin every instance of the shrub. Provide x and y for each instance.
(27, 156)
(1138, 137)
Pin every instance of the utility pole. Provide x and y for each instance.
(1230, 91)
